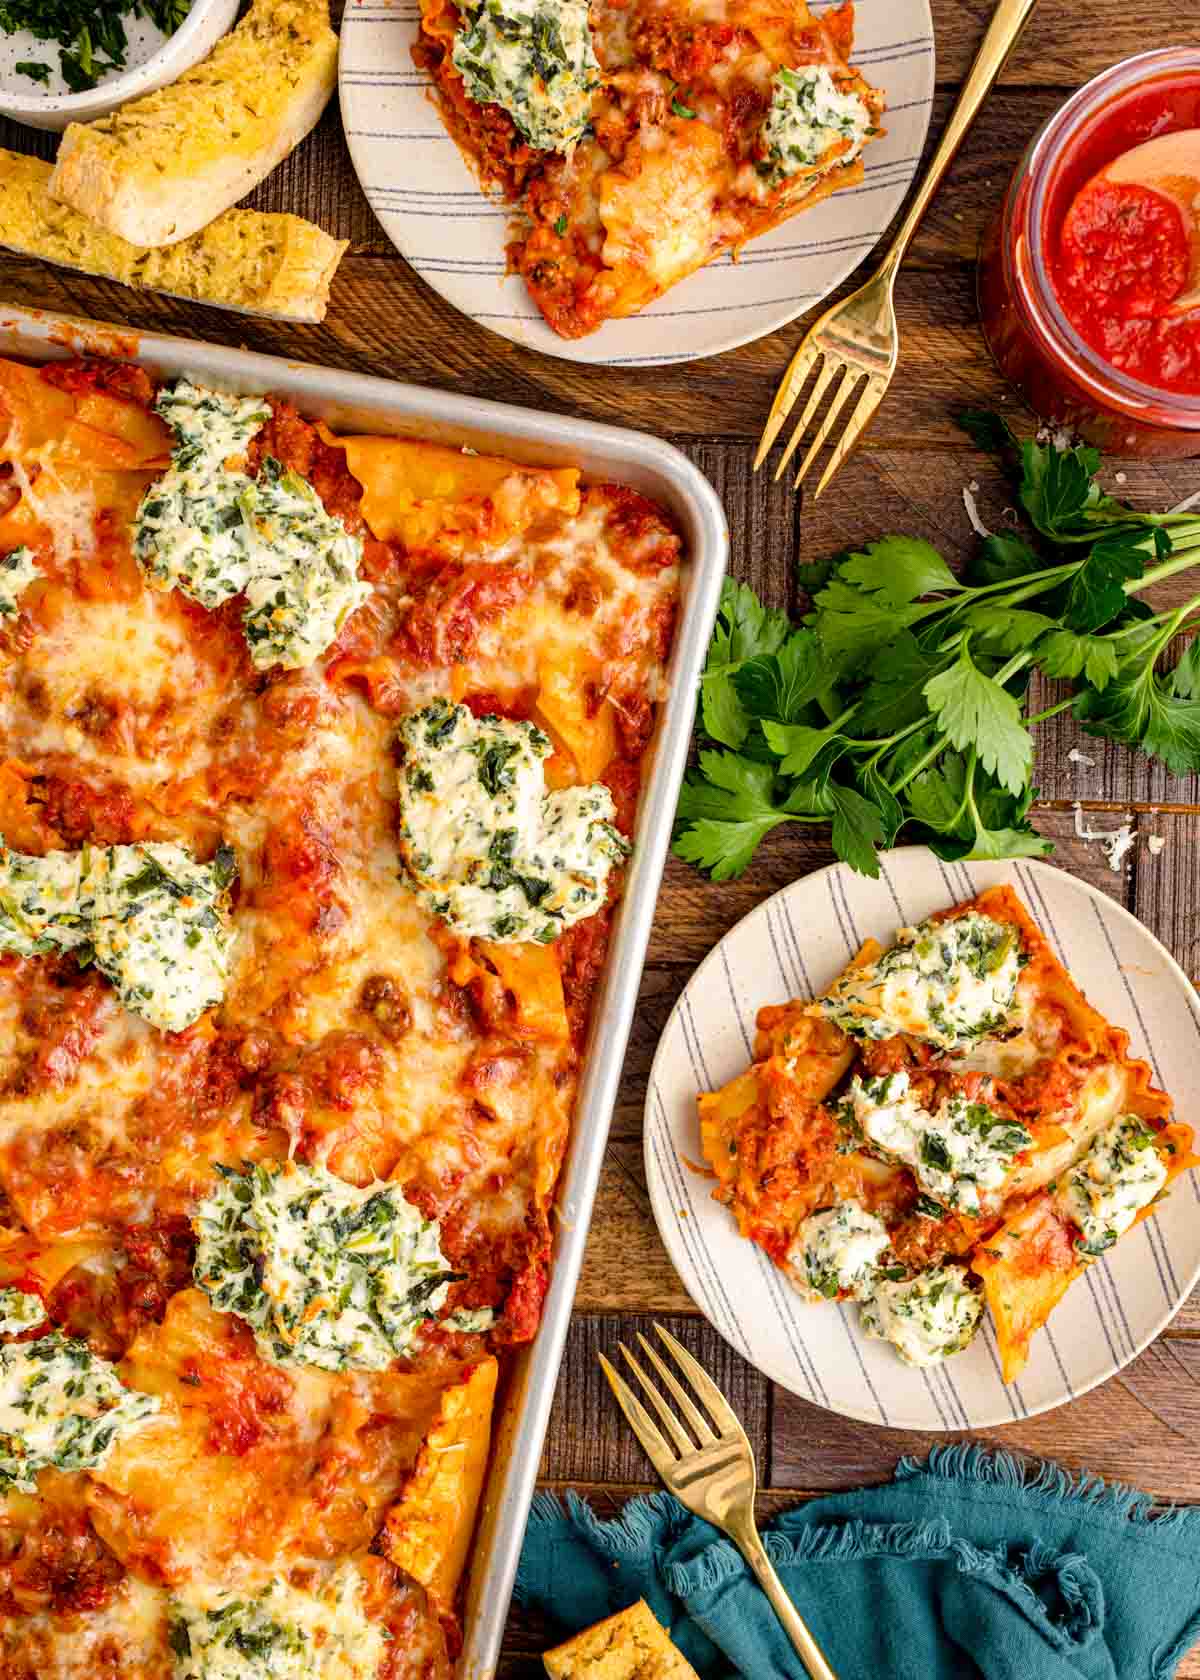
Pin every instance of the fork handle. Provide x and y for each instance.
(794, 1625)
(1009, 19)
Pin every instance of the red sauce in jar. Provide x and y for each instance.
(1120, 253)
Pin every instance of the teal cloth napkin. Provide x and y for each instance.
(970, 1566)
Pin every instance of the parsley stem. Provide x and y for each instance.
(1182, 560)
(1050, 711)
(923, 763)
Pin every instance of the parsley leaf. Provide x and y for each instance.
(1001, 559)
(727, 809)
(796, 745)
(857, 829)
(898, 704)
(1141, 708)
(1097, 593)
(896, 570)
(780, 685)
(1063, 653)
(974, 710)
(1006, 629)
(745, 629)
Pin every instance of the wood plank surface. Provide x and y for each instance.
(1144, 1425)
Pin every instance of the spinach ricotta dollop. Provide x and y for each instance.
(808, 114)
(190, 531)
(39, 903)
(281, 1633)
(949, 983)
(961, 1153)
(304, 579)
(19, 1311)
(483, 844)
(536, 59)
(837, 1251)
(214, 532)
(17, 571)
(323, 1272)
(61, 1408)
(927, 1317)
(1105, 1191)
(154, 921)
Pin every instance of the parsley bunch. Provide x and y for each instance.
(90, 34)
(900, 702)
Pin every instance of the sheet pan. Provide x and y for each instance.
(358, 401)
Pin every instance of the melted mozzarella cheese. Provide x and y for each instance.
(281, 1633)
(126, 1636)
(927, 1318)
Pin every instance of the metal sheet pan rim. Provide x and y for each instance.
(600, 450)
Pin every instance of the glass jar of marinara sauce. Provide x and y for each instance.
(1082, 277)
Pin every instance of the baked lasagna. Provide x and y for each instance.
(319, 761)
(641, 138)
(951, 1126)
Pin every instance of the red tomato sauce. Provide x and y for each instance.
(1119, 253)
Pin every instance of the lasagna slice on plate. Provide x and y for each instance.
(952, 1125)
(640, 139)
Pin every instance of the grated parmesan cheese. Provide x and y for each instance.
(1115, 843)
(969, 503)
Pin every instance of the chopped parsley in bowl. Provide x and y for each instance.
(80, 42)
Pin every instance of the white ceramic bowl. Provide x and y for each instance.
(152, 62)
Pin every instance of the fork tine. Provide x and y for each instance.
(682, 1398)
(810, 408)
(683, 1441)
(790, 387)
(639, 1420)
(719, 1409)
(835, 406)
(861, 416)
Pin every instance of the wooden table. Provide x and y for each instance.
(1143, 1426)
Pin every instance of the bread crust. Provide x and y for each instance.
(631, 1645)
(162, 167)
(274, 265)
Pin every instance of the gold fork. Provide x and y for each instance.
(713, 1473)
(859, 337)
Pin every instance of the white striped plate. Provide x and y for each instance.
(432, 210)
(792, 946)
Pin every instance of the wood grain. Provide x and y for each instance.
(909, 476)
